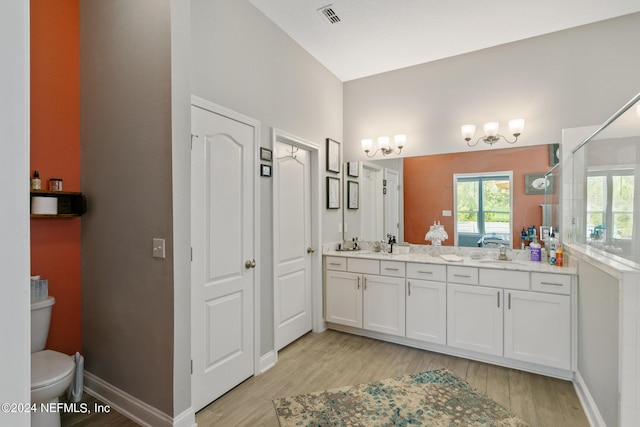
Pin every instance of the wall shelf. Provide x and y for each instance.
(70, 204)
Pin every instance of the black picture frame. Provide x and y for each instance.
(353, 195)
(333, 193)
(333, 156)
(266, 154)
(352, 169)
(265, 170)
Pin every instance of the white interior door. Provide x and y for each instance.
(392, 203)
(222, 234)
(371, 203)
(292, 243)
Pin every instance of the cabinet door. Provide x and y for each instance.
(427, 311)
(343, 298)
(538, 328)
(384, 305)
(474, 318)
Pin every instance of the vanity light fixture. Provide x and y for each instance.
(491, 135)
(384, 145)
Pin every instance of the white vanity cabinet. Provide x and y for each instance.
(474, 318)
(343, 298)
(369, 301)
(384, 305)
(537, 328)
(426, 308)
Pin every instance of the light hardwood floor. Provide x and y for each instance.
(333, 359)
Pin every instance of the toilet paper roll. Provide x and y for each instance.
(44, 205)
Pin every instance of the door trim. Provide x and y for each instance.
(317, 322)
(233, 115)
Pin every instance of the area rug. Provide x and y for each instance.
(433, 398)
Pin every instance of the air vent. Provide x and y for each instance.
(330, 14)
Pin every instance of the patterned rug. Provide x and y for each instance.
(434, 398)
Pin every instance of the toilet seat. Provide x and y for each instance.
(49, 367)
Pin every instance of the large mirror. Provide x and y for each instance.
(404, 196)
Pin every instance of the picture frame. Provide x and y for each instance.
(266, 154)
(353, 169)
(545, 233)
(538, 183)
(554, 154)
(265, 170)
(333, 193)
(333, 156)
(353, 195)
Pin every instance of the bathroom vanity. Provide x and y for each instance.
(516, 313)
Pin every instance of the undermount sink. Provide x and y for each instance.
(496, 260)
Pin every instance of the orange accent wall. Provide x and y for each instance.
(55, 153)
(428, 187)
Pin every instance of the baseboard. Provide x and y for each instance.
(267, 361)
(134, 408)
(588, 404)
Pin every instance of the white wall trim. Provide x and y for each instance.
(588, 404)
(132, 407)
(267, 361)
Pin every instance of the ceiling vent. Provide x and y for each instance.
(329, 13)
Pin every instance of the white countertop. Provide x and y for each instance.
(482, 259)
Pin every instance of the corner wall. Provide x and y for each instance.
(244, 62)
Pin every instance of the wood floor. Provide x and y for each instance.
(333, 359)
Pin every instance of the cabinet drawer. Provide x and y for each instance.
(367, 266)
(336, 263)
(504, 279)
(553, 283)
(392, 268)
(434, 272)
(464, 275)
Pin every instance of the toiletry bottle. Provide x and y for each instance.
(523, 237)
(553, 243)
(35, 181)
(535, 249)
(559, 256)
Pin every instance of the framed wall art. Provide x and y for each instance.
(537, 183)
(333, 193)
(333, 156)
(352, 169)
(353, 196)
(266, 154)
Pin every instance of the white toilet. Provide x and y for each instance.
(51, 371)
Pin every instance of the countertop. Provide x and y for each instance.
(483, 259)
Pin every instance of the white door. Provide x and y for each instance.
(371, 203)
(293, 245)
(222, 271)
(392, 203)
(474, 318)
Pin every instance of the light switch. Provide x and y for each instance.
(158, 248)
(446, 213)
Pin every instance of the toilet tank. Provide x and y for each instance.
(40, 320)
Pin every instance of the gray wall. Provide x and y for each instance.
(571, 78)
(14, 227)
(598, 344)
(130, 116)
(242, 61)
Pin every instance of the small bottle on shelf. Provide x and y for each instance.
(36, 184)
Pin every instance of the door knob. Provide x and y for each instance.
(251, 263)
(310, 250)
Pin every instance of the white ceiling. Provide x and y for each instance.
(374, 36)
